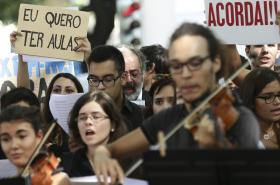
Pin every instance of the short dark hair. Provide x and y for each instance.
(254, 83)
(109, 108)
(47, 112)
(17, 95)
(156, 54)
(100, 54)
(31, 115)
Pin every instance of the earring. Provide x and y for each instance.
(112, 130)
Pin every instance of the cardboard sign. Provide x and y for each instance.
(244, 22)
(50, 31)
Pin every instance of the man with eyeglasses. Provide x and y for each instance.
(195, 65)
(134, 75)
(106, 73)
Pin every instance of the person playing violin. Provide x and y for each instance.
(195, 65)
(20, 133)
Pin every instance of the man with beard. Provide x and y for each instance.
(134, 75)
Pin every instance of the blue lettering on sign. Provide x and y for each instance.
(78, 68)
(54, 67)
(15, 64)
(32, 65)
(9, 67)
(5, 71)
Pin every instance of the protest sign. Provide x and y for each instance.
(50, 31)
(244, 22)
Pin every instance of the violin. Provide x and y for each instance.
(222, 107)
(43, 165)
(42, 168)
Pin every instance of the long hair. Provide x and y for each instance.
(254, 83)
(46, 109)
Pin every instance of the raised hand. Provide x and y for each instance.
(107, 168)
(13, 37)
(83, 46)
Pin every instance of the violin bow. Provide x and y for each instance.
(24, 172)
(186, 120)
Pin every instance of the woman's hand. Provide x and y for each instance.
(13, 37)
(83, 46)
(105, 167)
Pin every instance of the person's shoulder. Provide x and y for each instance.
(244, 111)
(171, 113)
(174, 109)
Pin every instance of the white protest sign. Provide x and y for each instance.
(243, 22)
(50, 31)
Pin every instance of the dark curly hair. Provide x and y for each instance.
(31, 115)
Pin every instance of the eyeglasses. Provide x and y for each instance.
(269, 98)
(107, 81)
(192, 64)
(95, 117)
(133, 73)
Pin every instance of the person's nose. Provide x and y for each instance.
(100, 86)
(166, 105)
(128, 77)
(89, 121)
(186, 71)
(265, 48)
(276, 100)
(14, 143)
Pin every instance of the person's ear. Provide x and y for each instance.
(123, 79)
(39, 135)
(152, 69)
(217, 64)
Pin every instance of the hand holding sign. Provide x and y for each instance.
(51, 31)
(13, 38)
(83, 46)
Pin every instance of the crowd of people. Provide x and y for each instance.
(136, 93)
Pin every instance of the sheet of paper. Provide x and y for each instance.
(7, 169)
(139, 102)
(60, 106)
(92, 180)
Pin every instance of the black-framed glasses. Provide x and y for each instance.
(135, 73)
(107, 81)
(269, 98)
(192, 64)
